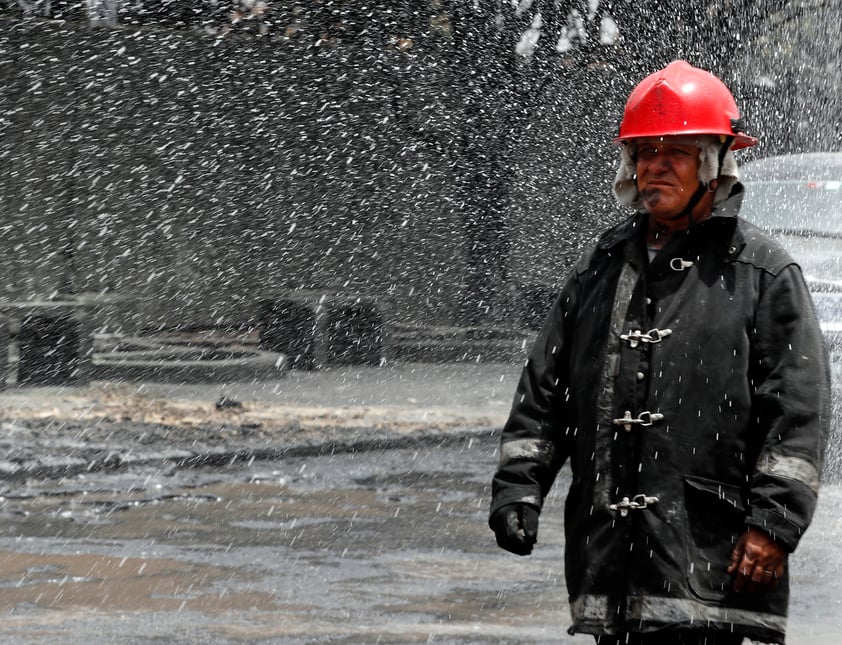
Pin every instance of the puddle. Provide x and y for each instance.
(351, 548)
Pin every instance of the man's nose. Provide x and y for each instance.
(660, 162)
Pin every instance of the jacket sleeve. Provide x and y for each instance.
(791, 409)
(532, 445)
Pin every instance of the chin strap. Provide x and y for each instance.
(694, 200)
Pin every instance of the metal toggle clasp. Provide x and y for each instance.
(652, 336)
(679, 264)
(635, 504)
(644, 419)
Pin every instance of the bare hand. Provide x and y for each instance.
(758, 562)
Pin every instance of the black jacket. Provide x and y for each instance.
(691, 397)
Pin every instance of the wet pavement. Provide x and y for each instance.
(300, 530)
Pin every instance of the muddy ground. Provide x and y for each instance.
(60, 430)
(342, 506)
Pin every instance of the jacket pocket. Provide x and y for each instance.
(716, 515)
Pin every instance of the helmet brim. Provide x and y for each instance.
(741, 140)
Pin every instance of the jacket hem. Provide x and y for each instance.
(599, 615)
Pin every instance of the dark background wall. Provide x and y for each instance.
(193, 175)
(189, 172)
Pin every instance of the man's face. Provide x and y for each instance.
(667, 175)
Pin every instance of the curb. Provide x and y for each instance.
(109, 460)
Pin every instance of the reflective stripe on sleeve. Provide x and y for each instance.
(589, 608)
(537, 450)
(795, 468)
(531, 499)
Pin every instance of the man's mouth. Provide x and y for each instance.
(651, 196)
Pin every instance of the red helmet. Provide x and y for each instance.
(681, 99)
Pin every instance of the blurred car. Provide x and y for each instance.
(798, 199)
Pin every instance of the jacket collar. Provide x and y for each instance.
(727, 211)
(623, 231)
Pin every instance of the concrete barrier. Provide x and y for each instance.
(186, 364)
(321, 328)
(47, 342)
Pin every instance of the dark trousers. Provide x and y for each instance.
(672, 638)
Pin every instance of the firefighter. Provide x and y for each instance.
(682, 374)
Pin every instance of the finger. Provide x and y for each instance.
(736, 556)
(777, 574)
(513, 527)
(764, 579)
(754, 580)
(742, 580)
(761, 580)
(528, 529)
(761, 575)
(512, 544)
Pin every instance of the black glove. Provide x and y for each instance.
(516, 527)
